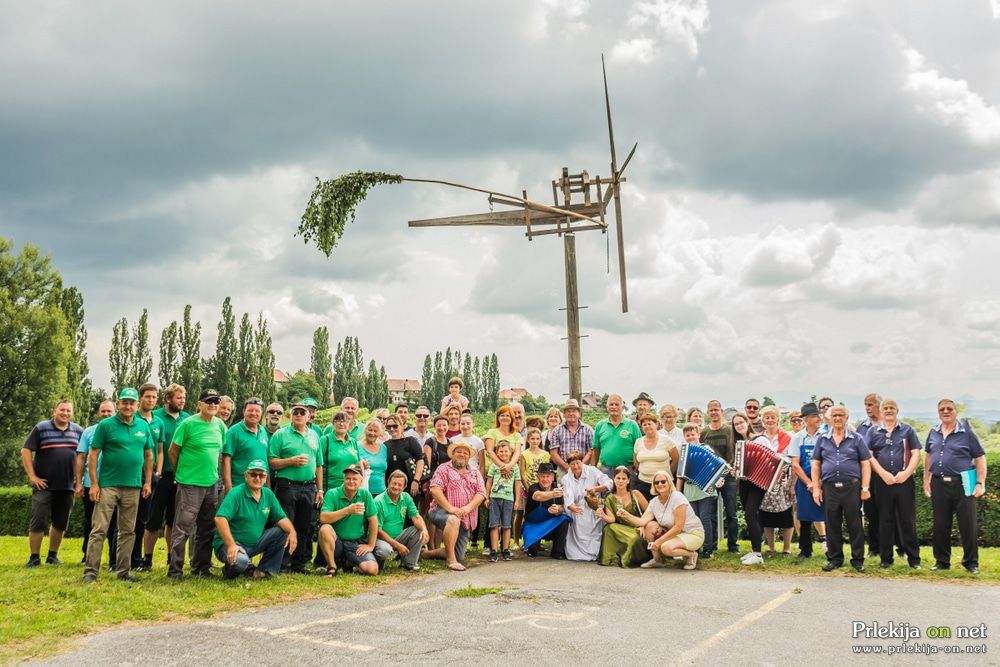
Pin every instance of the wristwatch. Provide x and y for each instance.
(865, 488)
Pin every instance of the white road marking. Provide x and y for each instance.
(354, 616)
(291, 635)
(698, 650)
(536, 620)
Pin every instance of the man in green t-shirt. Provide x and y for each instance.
(149, 394)
(294, 454)
(161, 506)
(194, 454)
(349, 525)
(244, 442)
(394, 506)
(614, 438)
(250, 521)
(120, 459)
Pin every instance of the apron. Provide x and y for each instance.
(807, 509)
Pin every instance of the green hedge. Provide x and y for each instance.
(15, 511)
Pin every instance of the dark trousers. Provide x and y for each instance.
(299, 503)
(751, 496)
(729, 494)
(558, 537)
(843, 504)
(707, 510)
(141, 517)
(870, 509)
(88, 524)
(897, 515)
(947, 500)
(806, 538)
(194, 517)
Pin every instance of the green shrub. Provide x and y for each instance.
(11, 471)
(15, 511)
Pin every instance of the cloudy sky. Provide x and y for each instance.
(814, 205)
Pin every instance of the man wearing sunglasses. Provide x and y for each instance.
(161, 508)
(752, 407)
(194, 453)
(245, 442)
(421, 431)
(249, 522)
(295, 456)
(272, 420)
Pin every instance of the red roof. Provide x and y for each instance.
(279, 376)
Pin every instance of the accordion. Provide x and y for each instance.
(759, 465)
(701, 466)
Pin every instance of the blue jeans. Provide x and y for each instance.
(271, 544)
(729, 492)
(707, 511)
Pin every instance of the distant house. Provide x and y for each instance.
(404, 391)
(513, 394)
(591, 401)
(280, 378)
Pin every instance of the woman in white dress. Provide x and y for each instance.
(583, 541)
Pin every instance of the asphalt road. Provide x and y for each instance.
(561, 613)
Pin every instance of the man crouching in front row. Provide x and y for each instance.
(349, 525)
(242, 527)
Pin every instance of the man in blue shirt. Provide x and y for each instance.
(953, 451)
(104, 410)
(870, 508)
(841, 473)
(895, 452)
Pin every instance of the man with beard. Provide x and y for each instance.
(161, 507)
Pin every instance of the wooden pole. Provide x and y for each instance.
(572, 318)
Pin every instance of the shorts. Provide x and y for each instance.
(50, 507)
(346, 552)
(163, 502)
(439, 518)
(692, 541)
(501, 512)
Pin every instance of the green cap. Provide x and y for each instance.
(257, 464)
(309, 402)
(128, 394)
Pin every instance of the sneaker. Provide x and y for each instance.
(752, 559)
(143, 566)
(652, 562)
(129, 577)
(494, 557)
(52, 560)
(33, 561)
(505, 554)
(938, 566)
(823, 544)
(89, 578)
(692, 562)
(884, 565)
(972, 569)
(486, 551)
(411, 568)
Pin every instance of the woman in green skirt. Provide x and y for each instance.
(622, 543)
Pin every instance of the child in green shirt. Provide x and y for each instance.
(500, 494)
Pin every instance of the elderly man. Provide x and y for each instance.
(244, 442)
(394, 506)
(121, 457)
(954, 476)
(295, 456)
(895, 452)
(800, 449)
(421, 429)
(312, 406)
(227, 406)
(49, 459)
(355, 428)
(517, 409)
(349, 525)
(571, 436)
(458, 490)
(164, 500)
(104, 410)
(249, 522)
(149, 395)
(642, 403)
(841, 473)
(614, 438)
(272, 419)
(194, 453)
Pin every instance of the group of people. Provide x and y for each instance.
(368, 493)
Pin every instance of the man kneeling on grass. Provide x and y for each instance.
(250, 521)
(394, 506)
(349, 525)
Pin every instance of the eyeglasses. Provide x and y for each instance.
(797, 420)
(340, 419)
(392, 427)
(826, 407)
(298, 411)
(253, 401)
(752, 408)
(212, 401)
(946, 409)
(420, 416)
(275, 412)
(660, 482)
(257, 475)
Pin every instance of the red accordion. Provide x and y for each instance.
(759, 465)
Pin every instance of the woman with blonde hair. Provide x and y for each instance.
(669, 524)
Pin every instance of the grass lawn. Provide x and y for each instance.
(46, 608)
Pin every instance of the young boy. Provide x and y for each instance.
(704, 505)
(500, 494)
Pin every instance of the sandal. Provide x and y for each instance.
(456, 566)
(330, 572)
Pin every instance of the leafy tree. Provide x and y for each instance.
(220, 369)
(320, 364)
(494, 386)
(438, 386)
(78, 385)
(299, 386)
(767, 401)
(120, 355)
(383, 387)
(472, 386)
(243, 383)
(35, 343)
(263, 363)
(373, 392)
(189, 373)
(141, 366)
(169, 348)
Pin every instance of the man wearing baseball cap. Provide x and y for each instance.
(194, 454)
(120, 458)
(349, 525)
(249, 522)
(312, 406)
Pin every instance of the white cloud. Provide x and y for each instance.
(981, 320)
(653, 25)
(562, 17)
(963, 198)
(638, 49)
(995, 7)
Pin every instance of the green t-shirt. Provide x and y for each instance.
(503, 488)
(169, 426)
(200, 443)
(353, 526)
(286, 443)
(248, 518)
(337, 455)
(243, 447)
(392, 515)
(317, 429)
(123, 450)
(617, 443)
